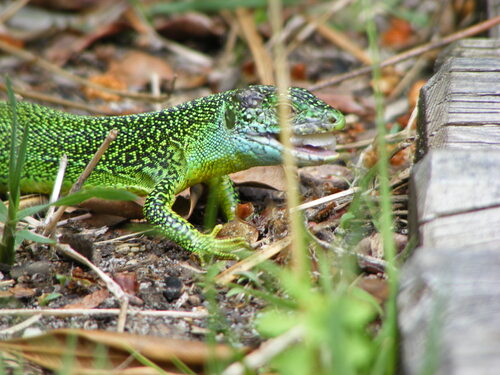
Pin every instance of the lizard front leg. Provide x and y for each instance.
(227, 198)
(158, 211)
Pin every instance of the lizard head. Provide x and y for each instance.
(252, 116)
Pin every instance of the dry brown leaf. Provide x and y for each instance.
(31, 200)
(190, 26)
(373, 245)
(325, 179)
(389, 80)
(49, 350)
(464, 8)
(63, 46)
(127, 281)
(67, 5)
(135, 69)
(244, 210)
(299, 71)
(398, 35)
(106, 80)
(129, 209)
(20, 291)
(370, 158)
(186, 200)
(11, 41)
(90, 301)
(414, 93)
(239, 228)
(273, 177)
(377, 287)
(344, 102)
(403, 157)
(184, 205)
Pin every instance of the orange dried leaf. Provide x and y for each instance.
(127, 281)
(19, 291)
(90, 301)
(398, 35)
(377, 287)
(244, 210)
(11, 41)
(299, 72)
(414, 92)
(106, 80)
(370, 158)
(388, 81)
(135, 69)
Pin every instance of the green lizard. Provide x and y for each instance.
(160, 154)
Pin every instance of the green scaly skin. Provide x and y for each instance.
(160, 154)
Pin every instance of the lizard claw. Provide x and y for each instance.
(220, 248)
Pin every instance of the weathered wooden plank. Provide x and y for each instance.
(448, 182)
(478, 47)
(474, 64)
(449, 304)
(466, 106)
(467, 138)
(475, 99)
(473, 47)
(474, 83)
(474, 229)
(461, 118)
(465, 91)
(449, 299)
(455, 198)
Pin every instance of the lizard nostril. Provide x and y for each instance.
(337, 120)
(333, 119)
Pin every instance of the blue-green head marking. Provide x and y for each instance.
(251, 116)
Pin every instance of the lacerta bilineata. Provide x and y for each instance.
(160, 154)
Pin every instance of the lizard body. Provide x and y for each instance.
(161, 153)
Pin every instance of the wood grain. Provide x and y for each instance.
(449, 315)
(449, 302)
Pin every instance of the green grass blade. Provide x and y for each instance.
(207, 5)
(3, 212)
(30, 236)
(7, 246)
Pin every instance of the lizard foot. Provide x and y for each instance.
(220, 248)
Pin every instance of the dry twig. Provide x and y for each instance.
(473, 30)
(59, 101)
(12, 9)
(228, 275)
(111, 285)
(104, 312)
(261, 57)
(47, 65)
(20, 326)
(267, 351)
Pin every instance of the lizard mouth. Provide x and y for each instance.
(314, 141)
(310, 148)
